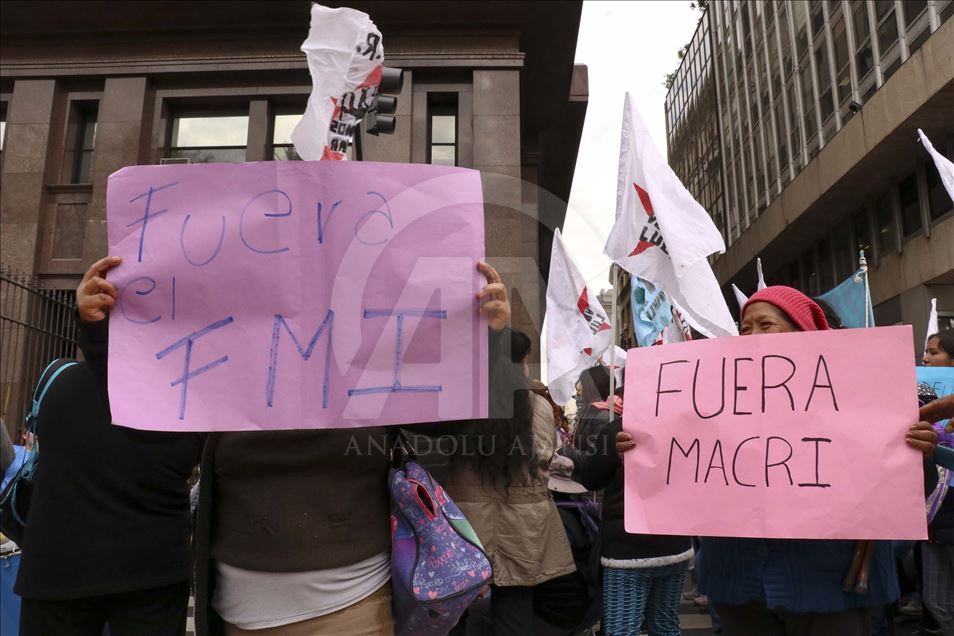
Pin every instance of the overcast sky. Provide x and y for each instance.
(627, 46)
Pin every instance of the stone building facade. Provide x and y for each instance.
(87, 88)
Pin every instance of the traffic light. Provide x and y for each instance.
(380, 117)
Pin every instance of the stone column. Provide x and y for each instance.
(121, 140)
(260, 130)
(511, 227)
(25, 165)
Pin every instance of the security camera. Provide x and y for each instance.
(854, 106)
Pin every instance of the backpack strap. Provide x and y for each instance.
(43, 385)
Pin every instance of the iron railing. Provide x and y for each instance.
(36, 326)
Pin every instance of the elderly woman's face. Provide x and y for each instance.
(765, 318)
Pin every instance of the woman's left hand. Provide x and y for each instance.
(922, 437)
(493, 298)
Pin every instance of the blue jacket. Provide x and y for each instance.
(20, 455)
(798, 575)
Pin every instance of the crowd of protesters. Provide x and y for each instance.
(291, 534)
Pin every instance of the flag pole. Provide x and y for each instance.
(863, 265)
(612, 370)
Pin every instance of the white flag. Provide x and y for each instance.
(616, 365)
(739, 297)
(662, 234)
(345, 54)
(578, 330)
(944, 165)
(760, 285)
(932, 327)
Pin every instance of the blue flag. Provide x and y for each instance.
(652, 311)
(849, 300)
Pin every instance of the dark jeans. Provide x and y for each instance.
(511, 610)
(159, 611)
(755, 618)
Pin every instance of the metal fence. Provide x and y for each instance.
(36, 326)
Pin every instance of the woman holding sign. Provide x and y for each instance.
(643, 574)
(107, 539)
(938, 552)
(788, 586)
(292, 535)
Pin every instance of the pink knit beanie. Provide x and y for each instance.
(800, 309)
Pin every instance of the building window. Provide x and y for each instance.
(82, 138)
(863, 55)
(912, 10)
(825, 100)
(794, 277)
(862, 232)
(842, 62)
(887, 37)
(945, 13)
(808, 107)
(210, 139)
(442, 129)
(3, 129)
(887, 230)
(826, 279)
(810, 275)
(282, 147)
(845, 263)
(917, 28)
(910, 206)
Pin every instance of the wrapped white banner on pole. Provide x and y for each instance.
(345, 55)
(944, 166)
(932, 326)
(760, 285)
(739, 297)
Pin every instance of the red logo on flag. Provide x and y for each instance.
(651, 235)
(596, 322)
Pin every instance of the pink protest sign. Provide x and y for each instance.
(795, 435)
(284, 295)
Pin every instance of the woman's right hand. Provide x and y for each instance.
(95, 296)
(937, 410)
(624, 443)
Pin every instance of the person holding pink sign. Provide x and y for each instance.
(292, 534)
(107, 538)
(785, 586)
(938, 552)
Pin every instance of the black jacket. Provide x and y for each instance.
(110, 506)
(598, 467)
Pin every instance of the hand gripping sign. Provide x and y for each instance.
(282, 295)
(779, 436)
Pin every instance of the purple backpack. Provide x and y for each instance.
(438, 566)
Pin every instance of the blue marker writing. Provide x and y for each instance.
(182, 246)
(396, 386)
(323, 225)
(148, 214)
(142, 292)
(188, 373)
(269, 215)
(304, 352)
(364, 218)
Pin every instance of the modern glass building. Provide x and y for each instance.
(794, 124)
